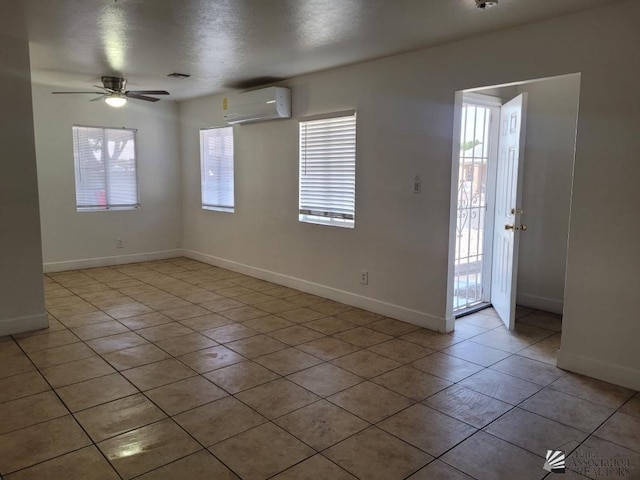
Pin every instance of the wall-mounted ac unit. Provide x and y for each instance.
(257, 106)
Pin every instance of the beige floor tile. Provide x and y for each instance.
(117, 417)
(97, 330)
(567, 409)
(268, 323)
(47, 340)
(22, 385)
(530, 370)
(467, 405)
(15, 364)
(400, 350)
(202, 297)
(393, 327)
(135, 356)
(301, 315)
(35, 444)
(277, 398)
(261, 452)
(544, 351)
(374, 454)
(254, 298)
(296, 335)
(430, 339)
(445, 366)
(163, 332)
(219, 306)
(329, 307)
(325, 379)
(184, 344)
(485, 456)
(440, 471)
(211, 358)
(330, 325)
(76, 371)
(184, 313)
(83, 319)
(427, 429)
(476, 353)
(86, 464)
(146, 320)
(279, 291)
(234, 291)
(363, 337)
(57, 355)
(305, 299)
(501, 386)
(321, 424)
(129, 310)
(147, 448)
(117, 342)
(411, 382)
(632, 407)
(596, 391)
(328, 348)
(621, 429)
(185, 394)
(535, 433)
(167, 302)
(502, 341)
(359, 317)
(366, 364)
(230, 333)
(63, 312)
(217, 421)
(480, 319)
(241, 376)
(595, 453)
(28, 411)
(370, 402)
(285, 362)
(157, 374)
(206, 322)
(255, 346)
(539, 319)
(199, 466)
(315, 468)
(276, 306)
(95, 391)
(242, 314)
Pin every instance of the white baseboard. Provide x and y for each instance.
(12, 326)
(109, 261)
(591, 367)
(540, 303)
(415, 317)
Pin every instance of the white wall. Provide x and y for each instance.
(552, 114)
(72, 239)
(405, 127)
(21, 288)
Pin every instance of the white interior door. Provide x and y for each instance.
(508, 212)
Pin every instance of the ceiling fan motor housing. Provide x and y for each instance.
(114, 83)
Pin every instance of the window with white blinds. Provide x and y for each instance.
(328, 171)
(105, 168)
(216, 169)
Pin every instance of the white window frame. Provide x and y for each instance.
(204, 182)
(315, 210)
(78, 172)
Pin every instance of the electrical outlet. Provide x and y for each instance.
(364, 277)
(119, 243)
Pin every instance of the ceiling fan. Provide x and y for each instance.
(115, 95)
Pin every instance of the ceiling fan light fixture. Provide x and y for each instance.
(486, 3)
(116, 100)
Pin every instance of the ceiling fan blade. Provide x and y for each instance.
(104, 88)
(98, 98)
(65, 93)
(148, 92)
(141, 97)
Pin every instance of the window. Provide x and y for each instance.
(328, 171)
(216, 169)
(105, 165)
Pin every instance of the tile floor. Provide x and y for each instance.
(177, 369)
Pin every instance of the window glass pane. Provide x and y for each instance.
(105, 167)
(216, 161)
(328, 170)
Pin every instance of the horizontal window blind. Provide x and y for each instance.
(216, 168)
(328, 171)
(105, 168)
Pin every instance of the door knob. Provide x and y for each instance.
(509, 227)
(513, 227)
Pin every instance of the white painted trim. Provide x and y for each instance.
(388, 309)
(109, 261)
(545, 304)
(591, 367)
(12, 326)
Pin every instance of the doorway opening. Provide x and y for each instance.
(512, 172)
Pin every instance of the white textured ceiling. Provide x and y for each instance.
(227, 44)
